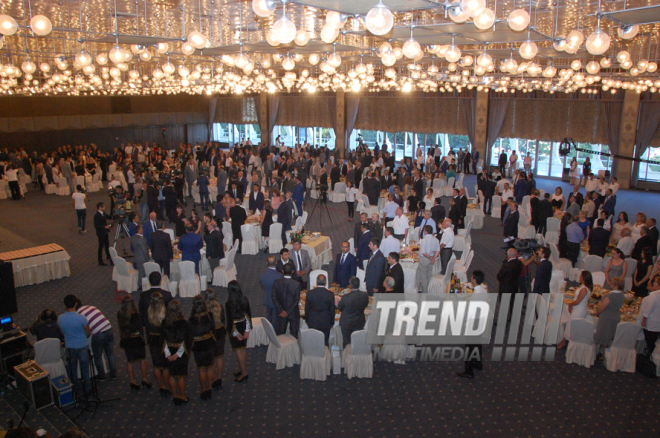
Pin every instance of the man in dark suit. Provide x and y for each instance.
(238, 217)
(396, 272)
(375, 272)
(509, 275)
(286, 296)
(285, 259)
(236, 191)
(352, 307)
(357, 230)
(543, 272)
(386, 181)
(438, 211)
(345, 265)
(598, 239)
(511, 224)
(150, 226)
(190, 244)
(256, 199)
(363, 252)
(489, 191)
(643, 242)
(102, 228)
(462, 204)
(534, 206)
(653, 236)
(609, 203)
(266, 280)
(320, 308)
(160, 244)
(371, 187)
(140, 254)
(145, 297)
(215, 248)
(545, 211)
(579, 199)
(284, 216)
(335, 175)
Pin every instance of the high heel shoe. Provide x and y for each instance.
(164, 392)
(206, 395)
(217, 384)
(184, 400)
(242, 379)
(237, 373)
(177, 401)
(146, 385)
(134, 387)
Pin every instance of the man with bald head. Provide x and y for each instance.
(320, 307)
(509, 274)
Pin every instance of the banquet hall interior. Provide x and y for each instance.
(198, 111)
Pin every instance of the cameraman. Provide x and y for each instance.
(81, 209)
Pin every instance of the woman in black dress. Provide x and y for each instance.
(175, 347)
(239, 324)
(202, 344)
(155, 317)
(215, 309)
(132, 341)
(643, 274)
(266, 219)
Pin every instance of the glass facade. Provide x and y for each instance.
(404, 144)
(650, 172)
(292, 135)
(231, 133)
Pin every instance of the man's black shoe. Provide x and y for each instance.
(102, 264)
(465, 375)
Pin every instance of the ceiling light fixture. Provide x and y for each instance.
(284, 31)
(379, 20)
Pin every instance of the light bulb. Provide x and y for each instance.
(576, 65)
(484, 60)
(162, 48)
(168, 68)
(44, 67)
(41, 25)
(133, 74)
(128, 55)
(314, 58)
(335, 19)
(271, 39)
(457, 14)
(123, 66)
(518, 20)
(28, 67)
(453, 53)
(101, 59)
(528, 49)
(642, 65)
(158, 74)
(138, 48)
(575, 38)
(334, 60)
(89, 69)
(145, 56)
(627, 32)
(116, 55)
(397, 52)
(479, 70)
(249, 67)
(302, 37)
(593, 67)
(622, 56)
(83, 58)
(652, 67)
(329, 34)
(187, 48)
(284, 30)
(411, 49)
(288, 64)
(388, 59)
(183, 71)
(263, 8)
(197, 39)
(626, 64)
(8, 26)
(549, 71)
(485, 20)
(598, 42)
(605, 62)
(241, 60)
(379, 20)
(473, 7)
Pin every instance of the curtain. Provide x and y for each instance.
(352, 106)
(611, 112)
(647, 132)
(305, 111)
(237, 110)
(469, 110)
(496, 112)
(213, 103)
(273, 104)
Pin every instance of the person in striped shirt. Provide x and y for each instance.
(102, 339)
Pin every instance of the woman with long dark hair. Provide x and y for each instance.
(132, 341)
(215, 309)
(155, 317)
(175, 348)
(239, 324)
(202, 343)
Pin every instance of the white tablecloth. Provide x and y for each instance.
(41, 268)
(320, 251)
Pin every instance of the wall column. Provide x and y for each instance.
(340, 122)
(263, 118)
(481, 126)
(622, 169)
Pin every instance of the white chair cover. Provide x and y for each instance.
(314, 275)
(150, 267)
(229, 236)
(525, 230)
(462, 240)
(127, 277)
(438, 284)
(598, 278)
(459, 183)
(275, 238)
(358, 360)
(113, 256)
(47, 353)
(562, 264)
(581, 348)
(316, 363)
(189, 284)
(557, 281)
(223, 274)
(552, 230)
(461, 271)
(351, 244)
(449, 188)
(463, 259)
(621, 356)
(258, 334)
(283, 350)
(170, 232)
(631, 265)
(360, 274)
(497, 207)
(250, 245)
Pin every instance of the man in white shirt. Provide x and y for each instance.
(11, 174)
(602, 186)
(389, 243)
(651, 316)
(80, 207)
(446, 244)
(626, 244)
(614, 186)
(400, 224)
(591, 184)
(427, 221)
(390, 209)
(501, 185)
(429, 251)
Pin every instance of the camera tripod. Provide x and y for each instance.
(121, 231)
(322, 200)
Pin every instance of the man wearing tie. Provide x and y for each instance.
(352, 307)
(256, 199)
(237, 191)
(363, 248)
(345, 265)
(302, 263)
(320, 308)
(150, 226)
(543, 272)
(266, 281)
(286, 297)
(426, 221)
(509, 275)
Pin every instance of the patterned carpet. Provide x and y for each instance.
(416, 399)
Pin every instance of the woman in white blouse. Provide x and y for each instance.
(619, 225)
(351, 195)
(636, 229)
(573, 172)
(429, 198)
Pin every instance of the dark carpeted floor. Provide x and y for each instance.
(417, 399)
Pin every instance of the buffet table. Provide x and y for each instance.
(38, 265)
(319, 250)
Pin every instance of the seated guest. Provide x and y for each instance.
(345, 266)
(352, 306)
(625, 243)
(320, 307)
(46, 326)
(598, 239)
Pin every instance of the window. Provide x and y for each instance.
(231, 133)
(316, 136)
(650, 172)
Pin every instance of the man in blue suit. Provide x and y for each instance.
(298, 195)
(150, 226)
(609, 203)
(363, 252)
(375, 272)
(345, 266)
(266, 280)
(189, 245)
(543, 272)
(133, 225)
(256, 199)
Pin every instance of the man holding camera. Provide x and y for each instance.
(102, 227)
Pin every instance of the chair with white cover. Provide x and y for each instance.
(170, 232)
(363, 284)
(631, 265)
(275, 238)
(314, 275)
(250, 245)
(258, 336)
(449, 188)
(496, 210)
(283, 350)
(80, 181)
(225, 273)
(622, 356)
(459, 182)
(338, 194)
(461, 240)
(438, 187)
(63, 188)
(480, 165)
(113, 256)
(189, 285)
(464, 254)
(557, 282)
(438, 283)
(316, 361)
(358, 360)
(229, 235)
(598, 278)
(47, 353)
(127, 277)
(351, 244)
(96, 184)
(552, 226)
(592, 263)
(581, 347)
(150, 267)
(525, 230)
(296, 227)
(461, 271)
(559, 263)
